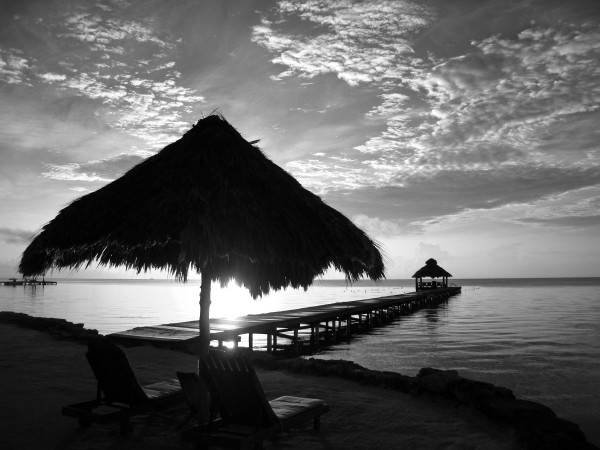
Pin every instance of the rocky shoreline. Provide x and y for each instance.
(536, 425)
(59, 328)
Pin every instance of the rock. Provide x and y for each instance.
(517, 411)
(437, 381)
(474, 393)
(503, 392)
(59, 328)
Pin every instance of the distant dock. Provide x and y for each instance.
(314, 325)
(26, 282)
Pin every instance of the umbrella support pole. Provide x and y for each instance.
(295, 341)
(204, 331)
(204, 319)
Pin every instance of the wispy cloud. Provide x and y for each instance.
(574, 221)
(14, 66)
(508, 120)
(424, 198)
(133, 71)
(102, 170)
(508, 95)
(575, 208)
(365, 42)
(15, 236)
(127, 66)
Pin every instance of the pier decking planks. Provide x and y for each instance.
(317, 319)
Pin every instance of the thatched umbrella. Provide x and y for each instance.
(432, 270)
(212, 202)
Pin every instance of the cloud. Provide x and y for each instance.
(51, 77)
(509, 90)
(15, 236)
(422, 198)
(57, 132)
(570, 222)
(505, 101)
(102, 170)
(323, 173)
(128, 67)
(574, 209)
(374, 226)
(100, 31)
(424, 251)
(364, 42)
(14, 66)
(507, 119)
(470, 73)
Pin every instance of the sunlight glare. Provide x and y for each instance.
(231, 301)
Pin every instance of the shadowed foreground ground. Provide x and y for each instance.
(39, 374)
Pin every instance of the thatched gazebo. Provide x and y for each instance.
(431, 270)
(213, 203)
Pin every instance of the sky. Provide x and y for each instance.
(463, 130)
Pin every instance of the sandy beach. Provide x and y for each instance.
(40, 374)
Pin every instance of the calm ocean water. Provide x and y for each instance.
(538, 337)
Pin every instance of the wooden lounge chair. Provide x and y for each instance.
(119, 395)
(246, 416)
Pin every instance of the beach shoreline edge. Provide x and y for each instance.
(536, 425)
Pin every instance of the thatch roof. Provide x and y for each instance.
(431, 269)
(209, 200)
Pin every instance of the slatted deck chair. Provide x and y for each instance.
(119, 395)
(246, 416)
(190, 385)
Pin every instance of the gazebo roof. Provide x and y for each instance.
(431, 269)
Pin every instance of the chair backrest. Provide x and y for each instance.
(191, 390)
(236, 390)
(113, 372)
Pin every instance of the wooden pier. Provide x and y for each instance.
(314, 325)
(26, 282)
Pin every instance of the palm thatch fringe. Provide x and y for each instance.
(209, 200)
